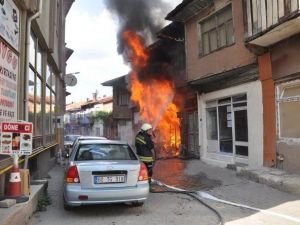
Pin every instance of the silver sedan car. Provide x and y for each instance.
(104, 171)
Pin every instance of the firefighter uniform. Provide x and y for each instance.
(144, 147)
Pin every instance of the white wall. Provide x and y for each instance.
(98, 125)
(255, 124)
(125, 132)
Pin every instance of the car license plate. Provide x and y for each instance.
(109, 179)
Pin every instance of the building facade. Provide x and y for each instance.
(272, 32)
(225, 76)
(32, 41)
(80, 117)
(122, 121)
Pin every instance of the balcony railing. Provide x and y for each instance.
(270, 21)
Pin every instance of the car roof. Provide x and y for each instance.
(103, 141)
(91, 138)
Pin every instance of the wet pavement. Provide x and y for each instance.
(172, 172)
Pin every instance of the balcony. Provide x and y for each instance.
(270, 21)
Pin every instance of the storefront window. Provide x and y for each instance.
(225, 128)
(211, 123)
(48, 111)
(227, 125)
(289, 107)
(31, 85)
(53, 116)
(39, 62)
(38, 105)
(48, 76)
(35, 87)
(32, 51)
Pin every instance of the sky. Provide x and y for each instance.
(91, 33)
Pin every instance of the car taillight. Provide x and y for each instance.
(143, 175)
(72, 175)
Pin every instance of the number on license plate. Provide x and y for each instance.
(109, 179)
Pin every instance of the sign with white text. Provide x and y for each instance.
(8, 83)
(16, 138)
(9, 23)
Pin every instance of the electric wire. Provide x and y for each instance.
(192, 194)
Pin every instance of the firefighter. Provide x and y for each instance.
(145, 147)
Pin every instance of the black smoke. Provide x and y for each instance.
(145, 17)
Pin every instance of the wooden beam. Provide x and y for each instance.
(287, 7)
(259, 15)
(275, 12)
(294, 5)
(254, 18)
(249, 18)
(263, 15)
(269, 12)
(281, 12)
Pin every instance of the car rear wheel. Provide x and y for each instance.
(137, 204)
(67, 207)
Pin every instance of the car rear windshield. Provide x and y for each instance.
(104, 152)
(71, 137)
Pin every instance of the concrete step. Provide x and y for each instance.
(275, 178)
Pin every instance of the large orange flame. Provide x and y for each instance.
(154, 98)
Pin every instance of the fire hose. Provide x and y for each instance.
(197, 194)
(193, 194)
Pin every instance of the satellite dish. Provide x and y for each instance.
(70, 80)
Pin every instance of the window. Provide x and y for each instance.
(123, 98)
(104, 152)
(31, 105)
(227, 125)
(38, 107)
(211, 123)
(53, 115)
(288, 99)
(50, 101)
(48, 111)
(41, 94)
(216, 31)
(35, 87)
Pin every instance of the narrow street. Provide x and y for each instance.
(167, 208)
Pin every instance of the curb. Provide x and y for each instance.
(275, 178)
(20, 213)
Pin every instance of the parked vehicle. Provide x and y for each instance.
(104, 171)
(68, 141)
(81, 138)
(69, 145)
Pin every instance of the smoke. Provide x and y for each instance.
(145, 17)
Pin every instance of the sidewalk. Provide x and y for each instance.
(19, 214)
(275, 178)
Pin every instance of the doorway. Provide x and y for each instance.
(227, 127)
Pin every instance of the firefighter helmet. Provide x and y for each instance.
(146, 126)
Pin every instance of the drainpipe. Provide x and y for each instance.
(27, 45)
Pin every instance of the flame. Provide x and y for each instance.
(154, 98)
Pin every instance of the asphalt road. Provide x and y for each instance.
(175, 209)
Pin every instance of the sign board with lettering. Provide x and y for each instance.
(10, 23)
(8, 83)
(16, 138)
